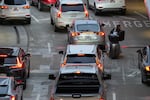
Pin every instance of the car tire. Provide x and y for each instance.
(24, 85)
(52, 22)
(56, 29)
(143, 79)
(95, 10)
(123, 11)
(28, 75)
(40, 6)
(29, 21)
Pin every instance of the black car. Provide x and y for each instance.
(9, 89)
(144, 63)
(15, 61)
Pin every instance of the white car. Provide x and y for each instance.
(64, 12)
(107, 5)
(15, 10)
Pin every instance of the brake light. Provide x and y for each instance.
(3, 55)
(101, 33)
(73, 34)
(59, 13)
(147, 68)
(26, 7)
(19, 65)
(99, 65)
(4, 7)
(51, 98)
(86, 12)
(12, 97)
(19, 81)
(101, 98)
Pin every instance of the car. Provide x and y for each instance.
(16, 61)
(106, 5)
(83, 55)
(10, 89)
(42, 3)
(15, 10)
(87, 31)
(144, 63)
(64, 12)
(78, 82)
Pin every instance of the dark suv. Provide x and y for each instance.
(144, 63)
(15, 61)
(9, 89)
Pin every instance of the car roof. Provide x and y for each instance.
(83, 49)
(11, 51)
(79, 68)
(71, 1)
(87, 21)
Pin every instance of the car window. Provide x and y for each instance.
(3, 87)
(87, 58)
(15, 2)
(88, 27)
(78, 83)
(72, 7)
(8, 60)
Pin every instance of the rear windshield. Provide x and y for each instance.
(3, 88)
(88, 27)
(72, 7)
(87, 58)
(8, 60)
(15, 2)
(78, 83)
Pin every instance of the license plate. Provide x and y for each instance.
(15, 9)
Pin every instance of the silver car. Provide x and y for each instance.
(15, 10)
(88, 31)
(79, 83)
(65, 11)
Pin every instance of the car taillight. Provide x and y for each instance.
(18, 65)
(12, 98)
(51, 98)
(101, 98)
(101, 33)
(147, 68)
(4, 7)
(73, 34)
(59, 14)
(86, 12)
(26, 7)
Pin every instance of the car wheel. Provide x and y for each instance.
(88, 6)
(95, 10)
(29, 21)
(56, 29)
(24, 85)
(143, 78)
(40, 6)
(52, 22)
(28, 75)
(123, 11)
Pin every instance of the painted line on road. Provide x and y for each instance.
(140, 14)
(38, 97)
(49, 47)
(35, 18)
(129, 18)
(114, 95)
(123, 75)
(44, 19)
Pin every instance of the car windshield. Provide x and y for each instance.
(88, 27)
(78, 83)
(87, 58)
(3, 87)
(15, 2)
(8, 60)
(72, 7)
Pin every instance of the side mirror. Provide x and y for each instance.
(51, 76)
(139, 51)
(102, 25)
(106, 76)
(28, 55)
(51, 5)
(61, 52)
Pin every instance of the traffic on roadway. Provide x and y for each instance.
(74, 49)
